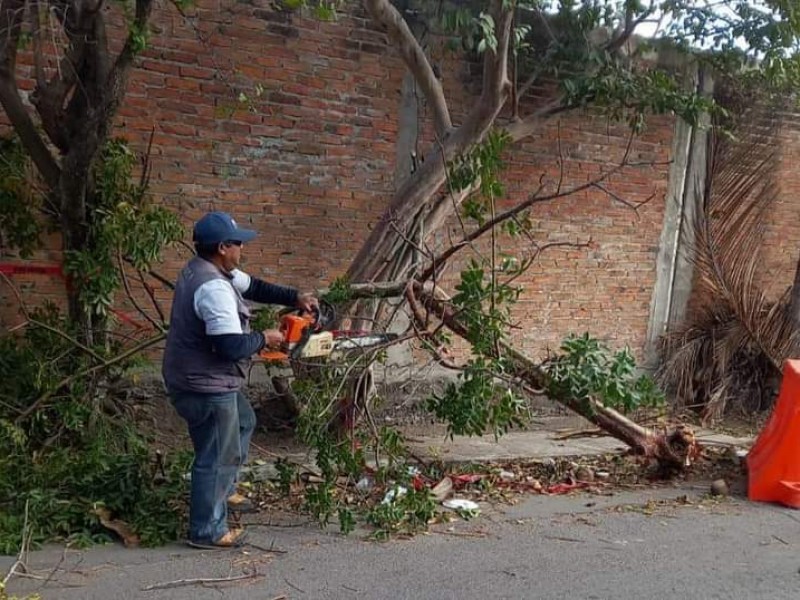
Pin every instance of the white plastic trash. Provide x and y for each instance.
(394, 493)
(460, 504)
(364, 484)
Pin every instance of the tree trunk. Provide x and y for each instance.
(74, 235)
(74, 190)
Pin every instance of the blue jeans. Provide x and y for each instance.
(220, 426)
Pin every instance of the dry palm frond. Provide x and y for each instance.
(734, 341)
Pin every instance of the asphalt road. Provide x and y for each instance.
(545, 547)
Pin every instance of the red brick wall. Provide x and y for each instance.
(781, 246)
(309, 162)
(604, 289)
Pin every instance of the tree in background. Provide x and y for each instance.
(83, 185)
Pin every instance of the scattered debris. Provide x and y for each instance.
(395, 492)
(565, 488)
(460, 504)
(720, 488)
(507, 475)
(365, 484)
(462, 480)
(585, 474)
(498, 483)
(602, 475)
(442, 490)
(121, 528)
(263, 471)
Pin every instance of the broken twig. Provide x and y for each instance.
(200, 581)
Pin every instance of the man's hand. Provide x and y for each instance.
(274, 338)
(307, 302)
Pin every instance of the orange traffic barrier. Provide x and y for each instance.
(773, 463)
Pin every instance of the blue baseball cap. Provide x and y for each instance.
(217, 227)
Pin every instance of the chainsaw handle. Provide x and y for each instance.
(324, 314)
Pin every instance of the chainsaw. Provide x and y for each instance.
(310, 335)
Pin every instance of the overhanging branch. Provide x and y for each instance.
(631, 23)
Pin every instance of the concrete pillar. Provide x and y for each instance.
(685, 194)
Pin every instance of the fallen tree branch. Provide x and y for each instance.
(23, 550)
(88, 371)
(672, 451)
(37, 323)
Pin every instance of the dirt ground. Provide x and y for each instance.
(398, 404)
(501, 481)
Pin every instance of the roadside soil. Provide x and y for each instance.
(486, 483)
(397, 404)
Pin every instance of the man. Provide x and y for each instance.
(207, 356)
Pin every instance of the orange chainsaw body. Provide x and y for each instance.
(292, 327)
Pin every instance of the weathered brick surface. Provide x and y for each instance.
(308, 160)
(781, 248)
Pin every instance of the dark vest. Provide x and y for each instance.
(190, 364)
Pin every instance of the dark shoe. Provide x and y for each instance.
(240, 504)
(233, 539)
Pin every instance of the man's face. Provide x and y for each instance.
(231, 253)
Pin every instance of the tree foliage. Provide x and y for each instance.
(79, 83)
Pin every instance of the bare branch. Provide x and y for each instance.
(634, 206)
(525, 88)
(155, 275)
(620, 39)
(533, 199)
(384, 13)
(203, 581)
(151, 292)
(545, 20)
(49, 97)
(11, 16)
(538, 249)
(408, 241)
(420, 322)
(522, 128)
(88, 371)
(35, 16)
(126, 284)
(118, 77)
(42, 325)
